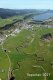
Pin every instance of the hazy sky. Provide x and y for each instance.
(26, 4)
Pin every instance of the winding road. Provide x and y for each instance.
(9, 70)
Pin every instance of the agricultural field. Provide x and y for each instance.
(26, 56)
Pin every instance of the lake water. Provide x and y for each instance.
(43, 16)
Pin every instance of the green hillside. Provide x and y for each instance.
(27, 54)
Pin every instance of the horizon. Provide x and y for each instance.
(24, 9)
(29, 4)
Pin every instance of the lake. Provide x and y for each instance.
(42, 17)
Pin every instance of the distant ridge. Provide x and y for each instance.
(5, 13)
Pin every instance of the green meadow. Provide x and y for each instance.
(9, 20)
(24, 51)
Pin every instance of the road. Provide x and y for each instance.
(9, 70)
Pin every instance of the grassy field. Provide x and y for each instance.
(4, 65)
(9, 20)
(24, 50)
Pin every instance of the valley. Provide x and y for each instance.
(26, 47)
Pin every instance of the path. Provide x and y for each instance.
(32, 40)
(9, 70)
(42, 69)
